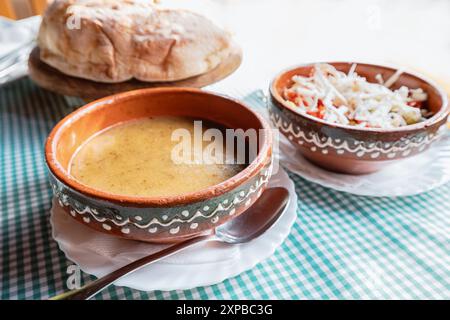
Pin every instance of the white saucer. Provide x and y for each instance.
(411, 176)
(206, 264)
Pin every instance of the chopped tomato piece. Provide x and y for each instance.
(320, 103)
(415, 104)
(291, 95)
(313, 113)
(317, 114)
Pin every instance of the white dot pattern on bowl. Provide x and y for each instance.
(360, 148)
(227, 206)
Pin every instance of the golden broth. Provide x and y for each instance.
(135, 158)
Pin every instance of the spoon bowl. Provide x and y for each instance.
(255, 220)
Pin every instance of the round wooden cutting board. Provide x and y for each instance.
(51, 79)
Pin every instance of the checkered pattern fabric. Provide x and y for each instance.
(341, 246)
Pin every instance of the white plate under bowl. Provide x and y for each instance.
(206, 264)
(411, 176)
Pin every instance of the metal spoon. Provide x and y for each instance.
(252, 223)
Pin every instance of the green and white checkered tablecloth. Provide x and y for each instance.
(341, 246)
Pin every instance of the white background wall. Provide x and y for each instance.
(275, 34)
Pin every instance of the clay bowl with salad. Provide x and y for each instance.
(356, 118)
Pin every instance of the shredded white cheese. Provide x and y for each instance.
(350, 99)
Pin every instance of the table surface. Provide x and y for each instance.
(341, 246)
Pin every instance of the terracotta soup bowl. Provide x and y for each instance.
(347, 149)
(157, 219)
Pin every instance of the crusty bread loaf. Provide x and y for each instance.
(117, 40)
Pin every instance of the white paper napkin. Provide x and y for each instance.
(15, 35)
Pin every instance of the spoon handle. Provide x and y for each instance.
(91, 289)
